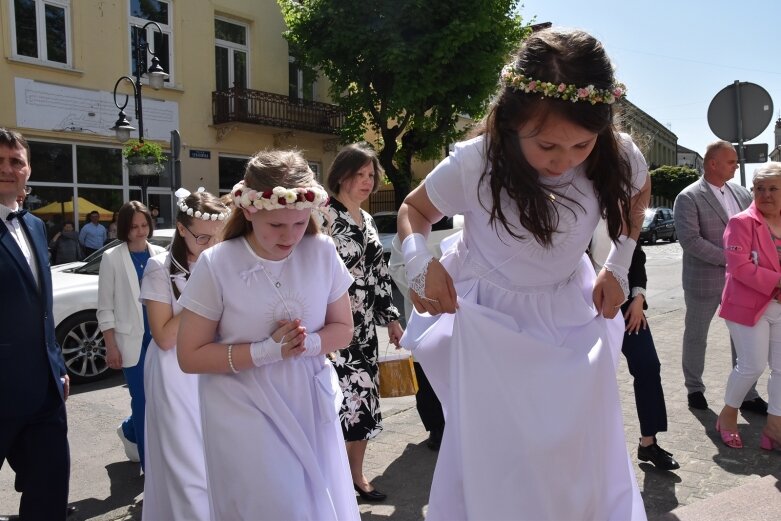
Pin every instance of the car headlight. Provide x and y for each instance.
(644, 229)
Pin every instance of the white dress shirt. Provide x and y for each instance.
(21, 239)
(726, 198)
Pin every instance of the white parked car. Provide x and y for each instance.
(386, 227)
(75, 288)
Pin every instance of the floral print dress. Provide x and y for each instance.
(371, 300)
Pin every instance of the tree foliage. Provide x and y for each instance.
(405, 68)
(668, 181)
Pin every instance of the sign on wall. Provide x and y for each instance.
(47, 106)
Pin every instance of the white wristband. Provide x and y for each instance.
(312, 345)
(265, 352)
(416, 255)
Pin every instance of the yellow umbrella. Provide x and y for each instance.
(85, 207)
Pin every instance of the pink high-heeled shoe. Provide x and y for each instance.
(768, 443)
(730, 438)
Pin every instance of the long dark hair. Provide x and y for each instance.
(556, 56)
(203, 202)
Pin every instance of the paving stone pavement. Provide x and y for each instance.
(399, 463)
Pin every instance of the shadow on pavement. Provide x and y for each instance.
(407, 482)
(658, 490)
(113, 380)
(126, 484)
(750, 460)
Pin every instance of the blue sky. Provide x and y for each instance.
(675, 56)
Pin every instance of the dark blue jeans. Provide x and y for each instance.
(645, 367)
(133, 426)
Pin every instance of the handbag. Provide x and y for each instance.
(396, 375)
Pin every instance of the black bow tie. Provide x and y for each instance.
(16, 215)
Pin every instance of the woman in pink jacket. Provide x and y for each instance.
(750, 305)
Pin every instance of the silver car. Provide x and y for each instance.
(75, 288)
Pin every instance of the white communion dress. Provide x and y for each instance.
(273, 444)
(525, 368)
(175, 472)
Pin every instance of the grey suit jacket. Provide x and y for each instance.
(700, 221)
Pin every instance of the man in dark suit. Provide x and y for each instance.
(702, 211)
(33, 382)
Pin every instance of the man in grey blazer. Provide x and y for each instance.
(702, 211)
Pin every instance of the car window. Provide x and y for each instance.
(445, 223)
(92, 264)
(385, 223)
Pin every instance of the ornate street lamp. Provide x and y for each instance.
(156, 76)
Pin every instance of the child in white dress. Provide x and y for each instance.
(175, 473)
(262, 309)
(520, 340)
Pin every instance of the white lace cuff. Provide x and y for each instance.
(265, 352)
(622, 281)
(418, 284)
(312, 345)
(619, 259)
(416, 256)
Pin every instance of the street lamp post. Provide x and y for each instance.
(156, 76)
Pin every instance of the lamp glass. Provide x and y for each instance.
(123, 134)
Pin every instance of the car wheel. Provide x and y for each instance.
(652, 238)
(83, 347)
(673, 237)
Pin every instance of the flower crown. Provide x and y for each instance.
(183, 193)
(515, 79)
(278, 198)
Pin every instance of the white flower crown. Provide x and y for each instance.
(183, 193)
(279, 197)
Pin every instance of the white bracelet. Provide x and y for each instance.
(230, 359)
(266, 351)
(312, 345)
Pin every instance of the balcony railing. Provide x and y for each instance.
(275, 110)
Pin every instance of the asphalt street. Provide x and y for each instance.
(105, 486)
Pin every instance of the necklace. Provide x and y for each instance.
(564, 182)
(276, 282)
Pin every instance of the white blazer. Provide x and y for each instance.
(119, 307)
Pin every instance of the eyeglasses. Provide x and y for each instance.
(199, 239)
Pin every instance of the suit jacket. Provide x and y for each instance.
(119, 307)
(700, 221)
(29, 355)
(753, 269)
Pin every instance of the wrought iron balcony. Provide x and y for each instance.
(275, 110)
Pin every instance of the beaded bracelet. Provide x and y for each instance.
(230, 359)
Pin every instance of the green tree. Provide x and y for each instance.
(668, 181)
(405, 68)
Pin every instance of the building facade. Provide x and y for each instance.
(658, 143)
(233, 89)
(691, 159)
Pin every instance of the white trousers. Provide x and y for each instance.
(757, 347)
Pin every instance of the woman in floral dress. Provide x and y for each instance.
(353, 176)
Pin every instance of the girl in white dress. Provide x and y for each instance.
(175, 473)
(517, 336)
(262, 308)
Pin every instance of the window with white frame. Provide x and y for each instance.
(231, 54)
(301, 81)
(41, 30)
(160, 11)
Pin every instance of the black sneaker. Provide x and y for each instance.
(757, 405)
(658, 456)
(697, 401)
